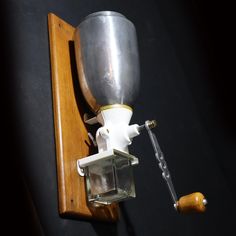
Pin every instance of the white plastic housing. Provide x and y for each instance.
(116, 133)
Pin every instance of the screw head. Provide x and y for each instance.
(151, 123)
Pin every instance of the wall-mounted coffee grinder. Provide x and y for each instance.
(107, 64)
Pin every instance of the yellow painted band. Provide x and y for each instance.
(115, 106)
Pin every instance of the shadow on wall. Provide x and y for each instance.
(104, 229)
(127, 221)
(18, 209)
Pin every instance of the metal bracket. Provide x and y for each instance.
(90, 121)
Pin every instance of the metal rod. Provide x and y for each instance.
(160, 158)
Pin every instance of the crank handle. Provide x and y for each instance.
(191, 203)
(194, 202)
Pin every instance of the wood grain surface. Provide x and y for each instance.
(71, 137)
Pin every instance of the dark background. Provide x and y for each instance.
(186, 50)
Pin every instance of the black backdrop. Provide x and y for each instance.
(187, 85)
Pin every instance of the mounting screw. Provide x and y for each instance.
(151, 123)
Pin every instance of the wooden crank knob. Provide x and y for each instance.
(194, 202)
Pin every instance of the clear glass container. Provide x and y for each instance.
(110, 180)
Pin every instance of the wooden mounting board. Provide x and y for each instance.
(71, 137)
